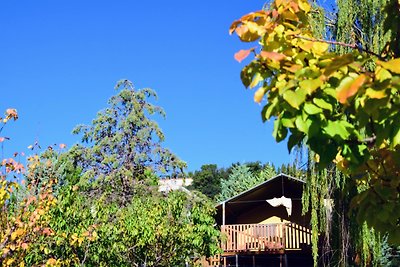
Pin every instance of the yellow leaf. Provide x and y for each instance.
(9, 262)
(320, 48)
(259, 94)
(51, 262)
(382, 74)
(16, 234)
(279, 30)
(392, 65)
(306, 45)
(304, 5)
(371, 93)
(256, 80)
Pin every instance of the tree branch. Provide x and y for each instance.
(353, 46)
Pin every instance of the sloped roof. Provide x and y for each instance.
(255, 198)
(260, 186)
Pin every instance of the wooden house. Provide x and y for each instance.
(264, 226)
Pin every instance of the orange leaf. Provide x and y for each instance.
(62, 146)
(241, 30)
(293, 68)
(24, 245)
(272, 55)
(350, 89)
(12, 113)
(242, 54)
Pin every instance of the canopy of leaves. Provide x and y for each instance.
(342, 106)
(208, 179)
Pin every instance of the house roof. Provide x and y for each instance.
(255, 197)
(260, 186)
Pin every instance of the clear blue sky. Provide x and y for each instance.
(61, 59)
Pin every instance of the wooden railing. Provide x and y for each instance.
(265, 237)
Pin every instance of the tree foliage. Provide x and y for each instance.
(343, 106)
(124, 145)
(208, 179)
(242, 178)
(98, 204)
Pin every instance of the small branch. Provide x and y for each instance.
(353, 46)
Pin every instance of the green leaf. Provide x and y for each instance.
(294, 139)
(269, 109)
(382, 74)
(312, 109)
(323, 104)
(294, 98)
(301, 125)
(288, 122)
(279, 132)
(310, 85)
(337, 130)
(396, 138)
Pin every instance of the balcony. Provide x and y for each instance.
(267, 238)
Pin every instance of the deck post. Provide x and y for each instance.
(223, 213)
(237, 260)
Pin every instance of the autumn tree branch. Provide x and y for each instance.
(353, 46)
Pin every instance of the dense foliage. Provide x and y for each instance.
(344, 107)
(222, 183)
(242, 178)
(98, 203)
(331, 80)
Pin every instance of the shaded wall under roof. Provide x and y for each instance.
(251, 206)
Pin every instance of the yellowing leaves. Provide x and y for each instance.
(259, 94)
(272, 55)
(349, 87)
(304, 5)
(16, 234)
(375, 94)
(392, 65)
(319, 48)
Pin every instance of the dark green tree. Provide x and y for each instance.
(242, 178)
(208, 180)
(123, 145)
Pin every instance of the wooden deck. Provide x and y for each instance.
(253, 239)
(273, 238)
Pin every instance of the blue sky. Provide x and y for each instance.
(61, 59)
